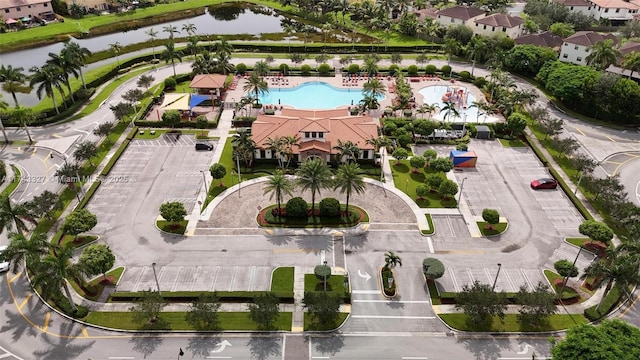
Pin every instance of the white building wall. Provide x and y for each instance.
(17, 12)
(574, 54)
(488, 30)
(584, 10)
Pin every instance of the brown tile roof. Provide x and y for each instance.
(629, 47)
(5, 4)
(461, 12)
(615, 4)
(208, 81)
(589, 38)
(336, 124)
(573, 2)
(545, 38)
(431, 13)
(501, 20)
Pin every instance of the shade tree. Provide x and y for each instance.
(218, 172)
(203, 313)
(442, 164)
(480, 304)
(96, 259)
(264, 310)
(173, 211)
(596, 230)
(417, 162)
(491, 217)
(448, 188)
(432, 268)
(78, 222)
(323, 307)
(537, 306)
(609, 340)
(147, 309)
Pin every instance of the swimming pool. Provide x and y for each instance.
(313, 95)
(434, 94)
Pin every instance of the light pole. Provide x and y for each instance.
(495, 281)
(460, 195)
(575, 192)
(239, 178)
(206, 188)
(153, 266)
(325, 275)
(566, 278)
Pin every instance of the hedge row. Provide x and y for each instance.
(511, 297)
(191, 296)
(610, 301)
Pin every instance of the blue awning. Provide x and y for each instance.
(197, 99)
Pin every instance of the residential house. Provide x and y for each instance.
(583, 7)
(25, 10)
(616, 11)
(577, 47)
(98, 5)
(318, 131)
(509, 25)
(625, 49)
(459, 15)
(545, 38)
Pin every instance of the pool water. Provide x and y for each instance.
(313, 95)
(434, 94)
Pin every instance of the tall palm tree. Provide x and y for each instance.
(289, 142)
(171, 30)
(49, 78)
(205, 63)
(77, 56)
(450, 47)
(278, 185)
(476, 51)
(631, 62)
(256, 85)
(116, 48)
(370, 66)
(189, 28)
(29, 248)
(223, 46)
(3, 106)
(52, 271)
(349, 180)
(12, 80)
(153, 35)
(313, 175)
(619, 267)
(67, 66)
(347, 151)
(170, 54)
(23, 116)
(261, 68)
(277, 148)
(392, 260)
(602, 54)
(11, 215)
(192, 44)
(243, 146)
(478, 105)
(223, 62)
(374, 88)
(449, 110)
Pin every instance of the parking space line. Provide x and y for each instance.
(233, 278)
(513, 288)
(25, 301)
(453, 279)
(175, 283)
(486, 272)
(214, 278)
(252, 275)
(470, 275)
(196, 277)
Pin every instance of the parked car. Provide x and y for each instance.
(545, 183)
(201, 145)
(4, 265)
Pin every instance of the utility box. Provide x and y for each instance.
(462, 159)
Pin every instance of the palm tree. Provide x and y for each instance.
(189, 28)
(374, 88)
(619, 267)
(631, 62)
(288, 30)
(171, 30)
(223, 62)
(602, 54)
(289, 142)
(277, 148)
(170, 54)
(48, 78)
(153, 35)
(77, 56)
(204, 63)
(23, 116)
(116, 48)
(11, 214)
(450, 47)
(192, 45)
(449, 109)
(278, 185)
(12, 80)
(224, 47)
(29, 248)
(349, 180)
(313, 174)
(256, 85)
(478, 105)
(66, 66)
(51, 273)
(261, 68)
(477, 50)
(243, 146)
(391, 260)
(347, 151)
(3, 106)
(370, 66)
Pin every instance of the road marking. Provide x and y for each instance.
(25, 301)
(45, 326)
(366, 292)
(393, 302)
(84, 332)
(121, 357)
(393, 317)
(430, 243)
(414, 358)
(580, 131)
(15, 277)
(610, 138)
(288, 250)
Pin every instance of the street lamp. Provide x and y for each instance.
(153, 266)
(460, 195)
(239, 178)
(495, 281)
(325, 275)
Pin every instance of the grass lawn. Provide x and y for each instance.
(175, 321)
(567, 292)
(512, 143)
(406, 180)
(335, 284)
(498, 228)
(433, 293)
(556, 322)
(174, 228)
(78, 241)
(309, 326)
(576, 241)
(14, 183)
(146, 133)
(93, 289)
(432, 229)
(282, 279)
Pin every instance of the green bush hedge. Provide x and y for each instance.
(191, 296)
(329, 207)
(610, 301)
(296, 207)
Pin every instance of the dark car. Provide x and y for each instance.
(546, 183)
(203, 146)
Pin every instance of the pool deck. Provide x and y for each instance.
(343, 82)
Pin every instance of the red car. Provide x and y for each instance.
(546, 183)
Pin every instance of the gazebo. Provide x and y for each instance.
(211, 84)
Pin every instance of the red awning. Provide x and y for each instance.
(10, 21)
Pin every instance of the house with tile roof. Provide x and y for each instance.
(584, 7)
(545, 38)
(617, 11)
(459, 15)
(91, 4)
(21, 9)
(318, 131)
(493, 24)
(625, 49)
(577, 47)
(208, 84)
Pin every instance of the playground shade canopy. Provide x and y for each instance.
(196, 100)
(178, 101)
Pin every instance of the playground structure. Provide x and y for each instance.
(457, 96)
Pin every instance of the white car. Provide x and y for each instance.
(4, 266)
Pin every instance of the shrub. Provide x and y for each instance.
(422, 191)
(170, 83)
(3, 172)
(430, 69)
(324, 69)
(393, 69)
(296, 207)
(432, 268)
(284, 68)
(404, 140)
(412, 70)
(353, 68)
(446, 70)
(329, 207)
(465, 75)
(241, 68)
(305, 69)
(390, 128)
(479, 81)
